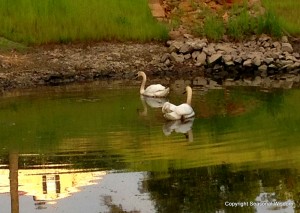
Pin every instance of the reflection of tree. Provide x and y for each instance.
(13, 176)
(113, 208)
(207, 189)
(274, 101)
(73, 160)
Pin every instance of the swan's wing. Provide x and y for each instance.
(155, 88)
(172, 116)
(184, 110)
(192, 114)
(168, 107)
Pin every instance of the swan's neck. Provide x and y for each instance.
(189, 97)
(142, 89)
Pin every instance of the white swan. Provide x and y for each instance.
(181, 112)
(154, 90)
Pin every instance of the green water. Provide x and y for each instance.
(242, 144)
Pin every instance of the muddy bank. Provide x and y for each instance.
(63, 64)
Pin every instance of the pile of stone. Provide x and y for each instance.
(260, 54)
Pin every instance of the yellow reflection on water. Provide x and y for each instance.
(50, 184)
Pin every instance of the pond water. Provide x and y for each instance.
(99, 148)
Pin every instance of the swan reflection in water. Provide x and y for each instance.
(151, 102)
(179, 126)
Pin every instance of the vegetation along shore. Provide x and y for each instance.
(209, 43)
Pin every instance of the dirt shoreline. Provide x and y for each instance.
(85, 62)
(61, 64)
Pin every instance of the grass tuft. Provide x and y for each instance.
(213, 28)
(269, 24)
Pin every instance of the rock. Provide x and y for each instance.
(291, 58)
(177, 57)
(284, 39)
(201, 59)
(256, 61)
(214, 58)
(274, 55)
(186, 48)
(268, 60)
(209, 50)
(227, 59)
(197, 44)
(238, 59)
(195, 54)
(165, 57)
(247, 63)
(167, 62)
(296, 55)
(263, 68)
(225, 47)
(287, 47)
(272, 66)
(175, 46)
(276, 44)
(187, 56)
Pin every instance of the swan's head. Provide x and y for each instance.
(140, 73)
(188, 89)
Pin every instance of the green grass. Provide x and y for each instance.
(269, 24)
(7, 45)
(287, 12)
(38, 22)
(213, 28)
(241, 25)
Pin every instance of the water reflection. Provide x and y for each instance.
(152, 103)
(218, 189)
(72, 151)
(46, 184)
(179, 126)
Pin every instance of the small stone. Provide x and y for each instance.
(287, 47)
(186, 48)
(214, 58)
(201, 58)
(247, 63)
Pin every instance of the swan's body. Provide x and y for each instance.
(154, 90)
(168, 107)
(180, 112)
